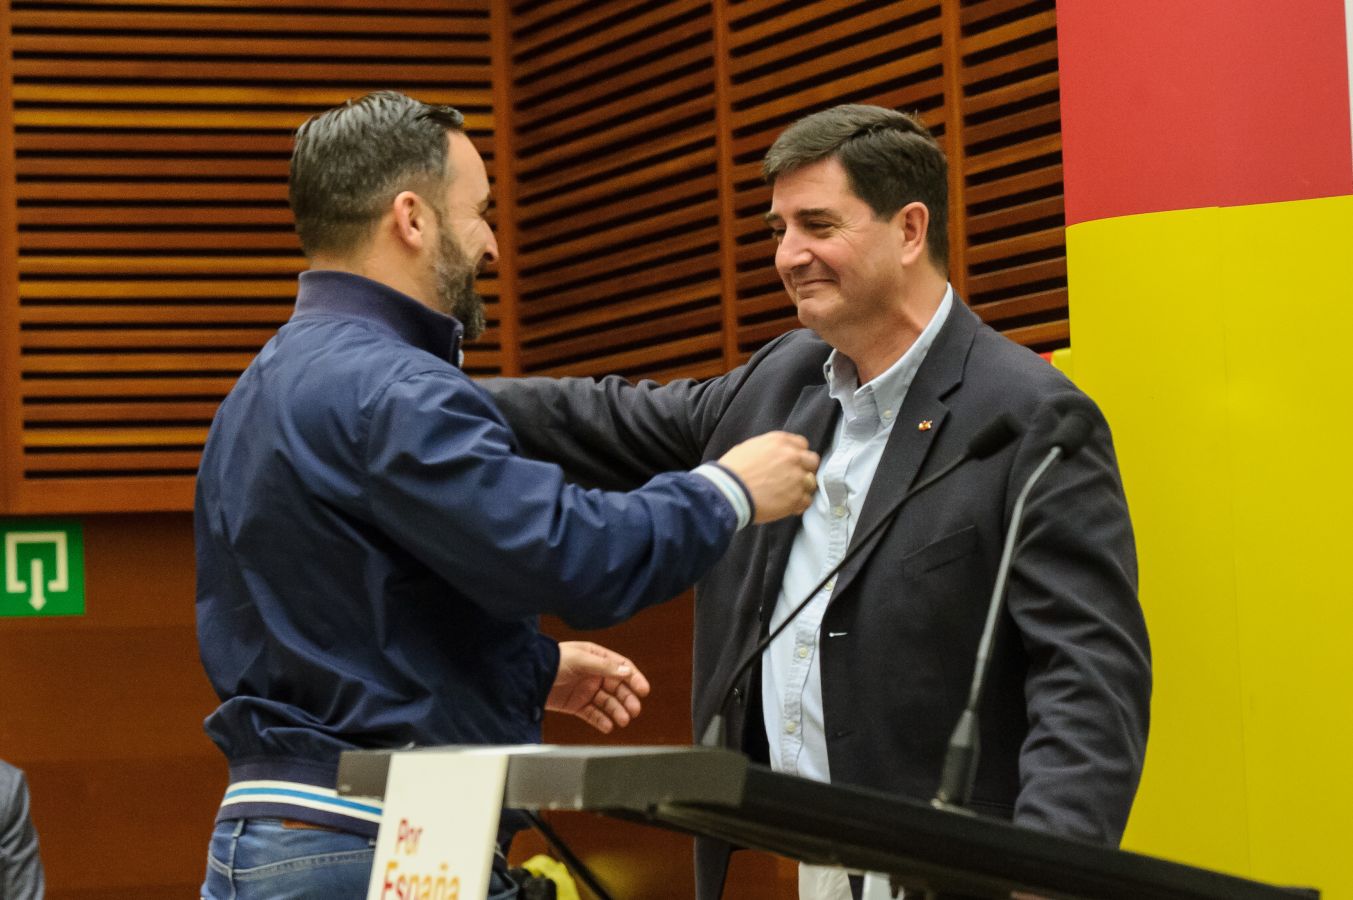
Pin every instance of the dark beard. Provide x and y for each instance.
(456, 295)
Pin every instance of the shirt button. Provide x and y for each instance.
(791, 726)
(803, 651)
(887, 414)
(830, 586)
(839, 512)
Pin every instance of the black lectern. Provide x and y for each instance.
(718, 793)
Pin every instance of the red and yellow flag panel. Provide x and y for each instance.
(1209, 199)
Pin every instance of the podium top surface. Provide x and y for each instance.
(720, 794)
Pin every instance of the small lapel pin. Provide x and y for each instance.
(924, 425)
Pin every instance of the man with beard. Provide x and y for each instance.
(372, 552)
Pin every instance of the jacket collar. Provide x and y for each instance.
(331, 293)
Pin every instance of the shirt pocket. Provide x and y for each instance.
(939, 552)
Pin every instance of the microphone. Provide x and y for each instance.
(992, 438)
(960, 760)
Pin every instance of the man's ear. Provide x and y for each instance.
(411, 218)
(913, 222)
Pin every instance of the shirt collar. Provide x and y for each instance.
(882, 397)
(332, 293)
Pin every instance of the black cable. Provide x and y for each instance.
(570, 859)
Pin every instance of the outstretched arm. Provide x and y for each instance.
(611, 433)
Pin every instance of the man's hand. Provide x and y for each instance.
(597, 685)
(778, 469)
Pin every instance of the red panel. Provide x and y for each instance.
(1169, 105)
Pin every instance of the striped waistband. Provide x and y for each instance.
(303, 802)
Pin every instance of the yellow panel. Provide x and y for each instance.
(1061, 359)
(1166, 405)
(1217, 343)
(1288, 328)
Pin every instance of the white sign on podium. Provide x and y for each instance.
(439, 827)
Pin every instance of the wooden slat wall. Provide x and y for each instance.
(639, 131)
(790, 59)
(631, 116)
(155, 251)
(1013, 237)
(613, 110)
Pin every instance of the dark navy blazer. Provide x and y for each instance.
(1064, 717)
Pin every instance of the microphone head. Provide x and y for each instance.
(1071, 433)
(995, 436)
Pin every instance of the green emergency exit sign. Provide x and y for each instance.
(44, 568)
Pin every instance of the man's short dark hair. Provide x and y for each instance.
(350, 162)
(890, 159)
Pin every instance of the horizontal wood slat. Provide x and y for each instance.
(224, 288)
(389, 6)
(404, 75)
(97, 363)
(91, 116)
(45, 465)
(110, 23)
(113, 437)
(122, 411)
(123, 338)
(156, 252)
(115, 217)
(242, 241)
(199, 45)
(1000, 310)
(69, 388)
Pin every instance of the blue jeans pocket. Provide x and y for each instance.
(259, 859)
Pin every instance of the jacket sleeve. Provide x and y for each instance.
(445, 481)
(1073, 598)
(612, 433)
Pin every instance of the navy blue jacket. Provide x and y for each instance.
(372, 552)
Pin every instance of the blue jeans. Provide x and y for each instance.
(260, 859)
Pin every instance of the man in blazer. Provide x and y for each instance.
(890, 380)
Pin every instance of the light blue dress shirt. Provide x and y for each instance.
(791, 674)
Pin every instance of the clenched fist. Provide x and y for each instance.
(779, 471)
